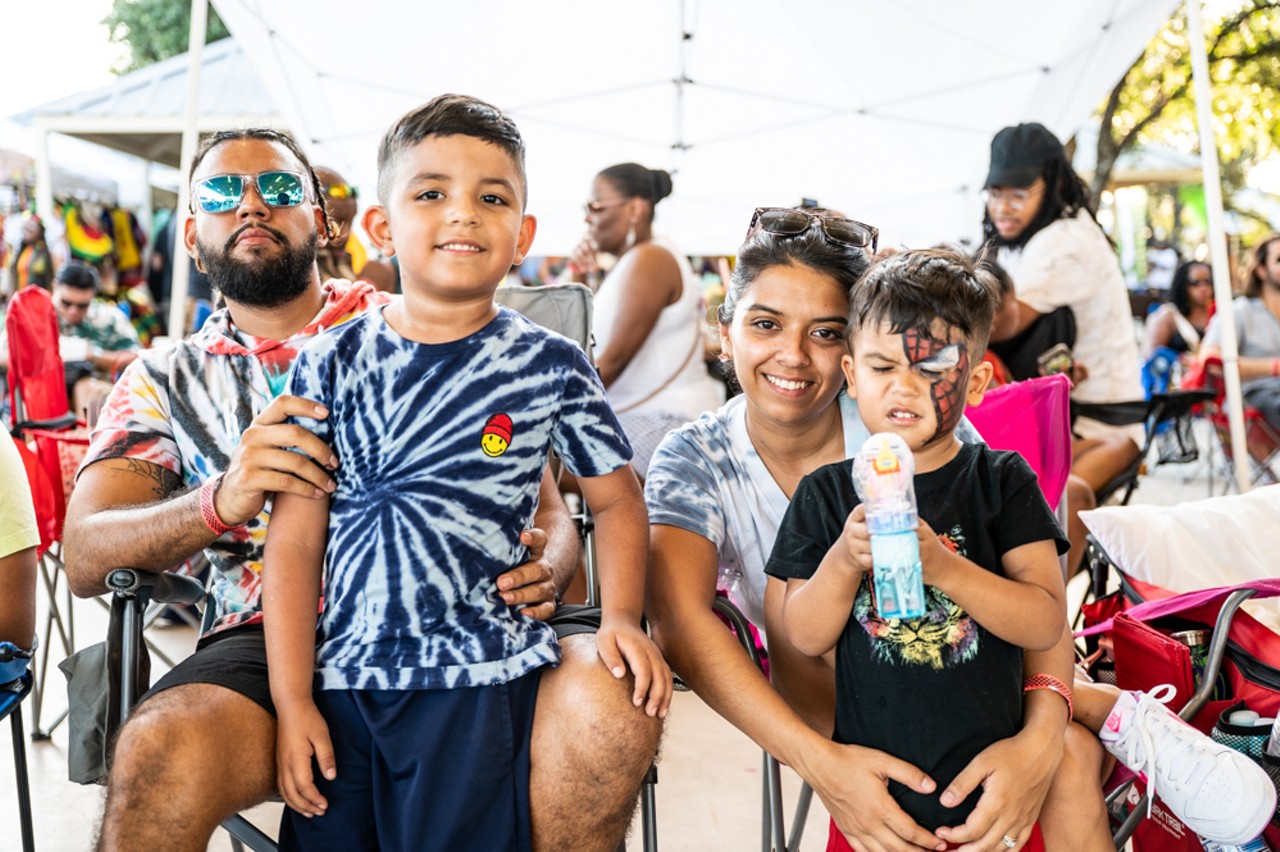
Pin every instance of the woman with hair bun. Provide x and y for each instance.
(648, 313)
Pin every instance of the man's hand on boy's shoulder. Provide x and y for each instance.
(265, 461)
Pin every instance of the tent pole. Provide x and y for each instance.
(44, 173)
(190, 138)
(145, 216)
(1217, 240)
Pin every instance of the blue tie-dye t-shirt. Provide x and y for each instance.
(441, 450)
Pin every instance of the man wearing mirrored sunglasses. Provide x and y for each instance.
(186, 458)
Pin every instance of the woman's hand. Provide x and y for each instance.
(583, 261)
(619, 641)
(1014, 774)
(853, 783)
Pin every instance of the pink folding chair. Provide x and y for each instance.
(1032, 418)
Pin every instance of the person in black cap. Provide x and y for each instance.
(1038, 217)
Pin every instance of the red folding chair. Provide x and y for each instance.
(52, 442)
(1261, 438)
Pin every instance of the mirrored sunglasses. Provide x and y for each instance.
(341, 190)
(791, 222)
(221, 193)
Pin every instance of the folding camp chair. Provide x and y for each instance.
(11, 695)
(1241, 655)
(127, 670)
(565, 309)
(1261, 438)
(47, 432)
(1175, 407)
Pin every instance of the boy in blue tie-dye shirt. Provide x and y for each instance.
(443, 407)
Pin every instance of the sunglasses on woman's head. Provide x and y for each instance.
(792, 222)
(221, 193)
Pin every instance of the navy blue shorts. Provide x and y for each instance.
(427, 769)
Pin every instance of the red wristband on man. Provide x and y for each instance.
(1047, 681)
(207, 510)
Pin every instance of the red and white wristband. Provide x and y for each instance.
(1047, 681)
(207, 510)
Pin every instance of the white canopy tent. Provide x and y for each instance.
(143, 113)
(884, 111)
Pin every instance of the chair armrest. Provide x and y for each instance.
(56, 424)
(1112, 413)
(162, 586)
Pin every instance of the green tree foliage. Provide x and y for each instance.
(1155, 101)
(155, 29)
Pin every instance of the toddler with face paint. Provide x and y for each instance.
(938, 689)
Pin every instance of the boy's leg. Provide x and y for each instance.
(197, 749)
(349, 825)
(449, 767)
(590, 752)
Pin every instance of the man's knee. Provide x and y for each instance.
(196, 738)
(584, 711)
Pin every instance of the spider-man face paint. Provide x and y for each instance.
(946, 366)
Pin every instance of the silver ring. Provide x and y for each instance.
(1008, 841)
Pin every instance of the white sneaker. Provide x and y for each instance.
(1216, 791)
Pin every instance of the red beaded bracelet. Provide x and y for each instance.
(207, 510)
(1047, 681)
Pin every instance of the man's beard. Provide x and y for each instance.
(261, 282)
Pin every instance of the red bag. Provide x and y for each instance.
(1146, 657)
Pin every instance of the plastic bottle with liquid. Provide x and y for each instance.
(884, 477)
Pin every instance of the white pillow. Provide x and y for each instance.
(1220, 541)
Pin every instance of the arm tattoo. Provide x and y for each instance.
(164, 480)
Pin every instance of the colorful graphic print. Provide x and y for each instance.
(496, 436)
(945, 636)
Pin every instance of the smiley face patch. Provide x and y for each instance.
(496, 436)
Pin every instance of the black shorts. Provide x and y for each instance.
(572, 619)
(237, 657)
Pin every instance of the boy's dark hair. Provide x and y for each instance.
(450, 115)
(985, 259)
(266, 134)
(812, 249)
(78, 276)
(911, 290)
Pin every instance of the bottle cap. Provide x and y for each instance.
(1243, 717)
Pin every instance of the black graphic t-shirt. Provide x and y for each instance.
(937, 690)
